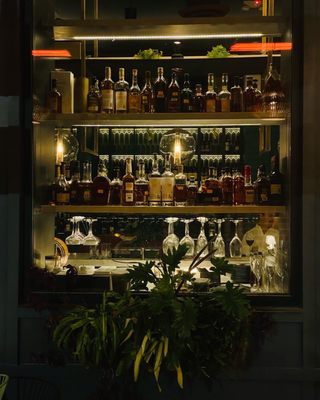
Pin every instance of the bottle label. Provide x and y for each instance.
(129, 197)
(154, 189)
(100, 191)
(129, 187)
(63, 197)
(167, 185)
(211, 105)
(134, 103)
(145, 99)
(249, 196)
(107, 99)
(186, 101)
(160, 94)
(275, 188)
(92, 107)
(264, 197)
(121, 101)
(87, 196)
(225, 105)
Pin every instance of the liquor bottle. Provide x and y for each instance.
(236, 143)
(186, 95)
(121, 88)
(249, 96)
(142, 186)
(167, 184)
(192, 191)
(74, 185)
(199, 99)
(107, 92)
(54, 185)
(180, 188)
(62, 188)
(273, 98)
(54, 99)
(248, 187)
(85, 185)
(224, 96)
(236, 102)
(147, 95)
(227, 187)
(101, 185)
(128, 185)
(213, 188)
(239, 194)
(227, 143)
(134, 99)
(115, 189)
(277, 181)
(173, 95)
(160, 91)
(258, 97)
(262, 187)
(94, 99)
(211, 95)
(155, 183)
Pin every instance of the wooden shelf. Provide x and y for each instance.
(166, 58)
(172, 210)
(165, 119)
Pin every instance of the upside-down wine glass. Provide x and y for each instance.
(172, 240)
(76, 237)
(202, 240)
(90, 239)
(219, 245)
(187, 239)
(235, 245)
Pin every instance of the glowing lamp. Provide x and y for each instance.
(179, 144)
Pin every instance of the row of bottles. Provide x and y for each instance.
(167, 189)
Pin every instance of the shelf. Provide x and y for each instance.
(165, 58)
(172, 210)
(182, 28)
(165, 119)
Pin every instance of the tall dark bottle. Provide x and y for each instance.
(54, 99)
(211, 95)
(101, 185)
(173, 95)
(107, 92)
(160, 92)
(277, 181)
(128, 198)
(186, 95)
(249, 96)
(236, 103)
(199, 99)
(147, 95)
(262, 187)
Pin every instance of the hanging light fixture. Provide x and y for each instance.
(179, 144)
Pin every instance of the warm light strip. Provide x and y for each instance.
(172, 37)
(277, 46)
(51, 53)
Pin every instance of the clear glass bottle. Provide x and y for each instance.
(186, 95)
(262, 187)
(142, 186)
(155, 183)
(173, 95)
(180, 188)
(199, 99)
(94, 99)
(147, 95)
(115, 189)
(224, 96)
(121, 88)
(134, 99)
(107, 92)
(249, 96)
(85, 185)
(211, 95)
(273, 98)
(167, 184)
(248, 186)
(101, 185)
(54, 99)
(127, 198)
(160, 92)
(236, 101)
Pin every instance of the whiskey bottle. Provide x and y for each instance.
(147, 95)
(94, 99)
(199, 99)
(213, 194)
(273, 98)
(239, 194)
(248, 187)
(134, 99)
(236, 101)
(107, 92)
(180, 188)
(121, 88)
(142, 186)
(160, 91)
(54, 185)
(128, 185)
(224, 96)
(54, 99)
(62, 189)
(101, 185)
(277, 181)
(167, 184)
(85, 185)
(173, 95)
(74, 185)
(186, 95)
(211, 95)
(227, 187)
(155, 184)
(262, 187)
(249, 96)
(115, 189)
(192, 192)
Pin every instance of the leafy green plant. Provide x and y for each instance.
(218, 52)
(148, 54)
(162, 325)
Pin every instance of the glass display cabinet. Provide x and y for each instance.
(148, 133)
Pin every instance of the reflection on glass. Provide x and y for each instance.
(235, 244)
(187, 239)
(172, 240)
(90, 239)
(219, 245)
(76, 237)
(202, 240)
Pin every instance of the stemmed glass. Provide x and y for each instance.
(202, 240)
(219, 245)
(235, 245)
(172, 240)
(76, 237)
(187, 239)
(90, 239)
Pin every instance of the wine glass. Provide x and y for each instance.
(219, 245)
(172, 240)
(202, 240)
(187, 239)
(76, 237)
(235, 246)
(90, 239)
